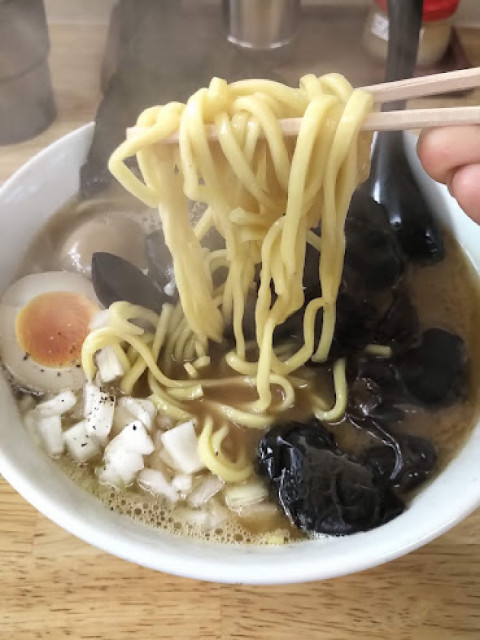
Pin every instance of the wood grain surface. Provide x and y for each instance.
(55, 586)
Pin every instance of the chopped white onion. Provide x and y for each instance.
(56, 406)
(193, 517)
(205, 520)
(140, 409)
(26, 403)
(182, 483)
(156, 482)
(134, 438)
(109, 366)
(50, 431)
(121, 467)
(205, 489)
(155, 459)
(190, 369)
(99, 320)
(201, 362)
(90, 397)
(79, 444)
(99, 410)
(216, 517)
(245, 495)
(264, 513)
(124, 455)
(167, 459)
(121, 418)
(155, 462)
(181, 444)
(31, 426)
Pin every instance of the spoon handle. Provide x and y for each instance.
(392, 182)
(405, 20)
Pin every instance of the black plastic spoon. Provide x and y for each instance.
(392, 182)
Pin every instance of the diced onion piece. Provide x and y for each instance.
(50, 431)
(167, 459)
(155, 459)
(205, 489)
(90, 397)
(134, 438)
(201, 362)
(79, 444)
(121, 418)
(99, 320)
(216, 517)
(238, 497)
(109, 366)
(31, 426)
(278, 537)
(192, 517)
(190, 369)
(181, 444)
(56, 406)
(156, 482)
(99, 419)
(182, 483)
(160, 459)
(203, 519)
(261, 517)
(121, 467)
(140, 409)
(26, 403)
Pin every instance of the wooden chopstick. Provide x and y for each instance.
(448, 82)
(396, 120)
(381, 121)
(421, 118)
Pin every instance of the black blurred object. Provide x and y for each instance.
(147, 65)
(116, 279)
(391, 180)
(321, 488)
(372, 249)
(418, 459)
(27, 106)
(434, 372)
(374, 263)
(431, 374)
(399, 326)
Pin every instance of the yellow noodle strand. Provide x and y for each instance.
(266, 196)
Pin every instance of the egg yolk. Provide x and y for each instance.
(51, 328)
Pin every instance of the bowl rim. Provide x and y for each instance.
(204, 561)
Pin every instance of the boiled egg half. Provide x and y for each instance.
(44, 319)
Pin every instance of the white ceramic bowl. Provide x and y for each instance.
(26, 202)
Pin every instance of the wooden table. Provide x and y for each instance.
(55, 586)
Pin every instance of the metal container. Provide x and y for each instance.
(261, 24)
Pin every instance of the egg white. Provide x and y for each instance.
(114, 232)
(27, 373)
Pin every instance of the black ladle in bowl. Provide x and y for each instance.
(392, 182)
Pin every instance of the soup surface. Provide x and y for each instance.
(445, 296)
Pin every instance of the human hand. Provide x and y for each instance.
(451, 155)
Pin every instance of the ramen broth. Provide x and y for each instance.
(445, 295)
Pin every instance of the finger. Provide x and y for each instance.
(465, 187)
(444, 149)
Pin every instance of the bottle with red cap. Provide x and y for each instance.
(434, 35)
